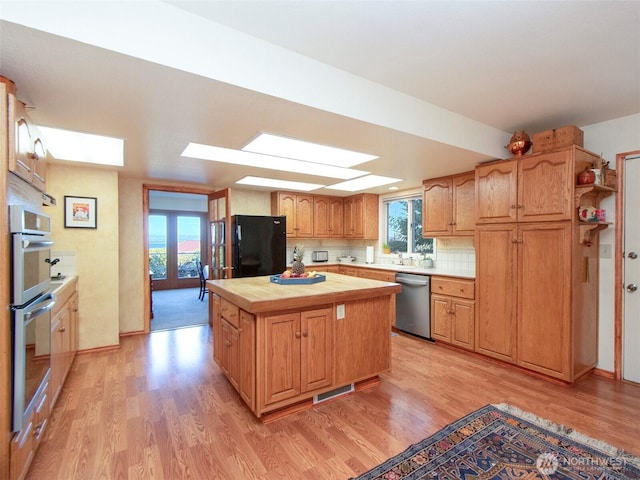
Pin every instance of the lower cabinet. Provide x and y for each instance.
(299, 351)
(453, 311)
(381, 275)
(64, 340)
(234, 348)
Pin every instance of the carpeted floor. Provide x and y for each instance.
(178, 308)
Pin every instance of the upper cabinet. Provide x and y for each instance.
(536, 187)
(448, 206)
(27, 154)
(299, 212)
(361, 216)
(328, 217)
(318, 216)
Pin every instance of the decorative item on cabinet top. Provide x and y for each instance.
(519, 144)
(550, 140)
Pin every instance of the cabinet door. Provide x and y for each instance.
(316, 349)
(464, 199)
(463, 323)
(233, 359)
(436, 208)
(336, 218)
(247, 352)
(496, 281)
(497, 192)
(57, 357)
(440, 307)
(20, 140)
(282, 362)
(544, 298)
(321, 217)
(358, 217)
(304, 216)
(545, 186)
(39, 163)
(218, 343)
(286, 205)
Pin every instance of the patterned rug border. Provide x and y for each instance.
(567, 432)
(590, 446)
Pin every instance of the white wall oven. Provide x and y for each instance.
(32, 301)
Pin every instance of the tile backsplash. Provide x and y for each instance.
(67, 263)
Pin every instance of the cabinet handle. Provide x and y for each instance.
(632, 255)
(514, 240)
(305, 334)
(520, 206)
(513, 207)
(62, 329)
(297, 334)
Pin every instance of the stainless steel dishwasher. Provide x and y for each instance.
(413, 304)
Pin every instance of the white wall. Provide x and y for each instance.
(610, 138)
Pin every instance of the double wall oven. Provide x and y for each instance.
(31, 304)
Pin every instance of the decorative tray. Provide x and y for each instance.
(297, 280)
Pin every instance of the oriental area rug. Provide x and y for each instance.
(501, 442)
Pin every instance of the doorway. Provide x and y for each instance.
(176, 243)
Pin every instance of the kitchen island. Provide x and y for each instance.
(281, 346)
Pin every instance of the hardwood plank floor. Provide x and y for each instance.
(159, 407)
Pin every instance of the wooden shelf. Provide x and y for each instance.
(597, 191)
(588, 229)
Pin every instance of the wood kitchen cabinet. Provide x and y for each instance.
(448, 206)
(234, 349)
(381, 275)
(328, 217)
(64, 337)
(532, 188)
(25, 443)
(537, 297)
(299, 212)
(299, 350)
(453, 311)
(361, 216)
(27, 154)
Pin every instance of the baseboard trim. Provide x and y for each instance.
(131, 334)
(604, 373)
(108, 348)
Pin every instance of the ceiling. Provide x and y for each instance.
(431, 87)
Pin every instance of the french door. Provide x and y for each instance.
(177, 245)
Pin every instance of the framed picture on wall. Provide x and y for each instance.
(80, 212)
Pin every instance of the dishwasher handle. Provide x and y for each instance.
(419, 283)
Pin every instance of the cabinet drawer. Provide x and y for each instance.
(453, 287)
(230, 312)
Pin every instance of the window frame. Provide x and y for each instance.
(408, 196)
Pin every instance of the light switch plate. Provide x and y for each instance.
(340, 311)
(605, 250)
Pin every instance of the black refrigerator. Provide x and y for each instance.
(258, 245)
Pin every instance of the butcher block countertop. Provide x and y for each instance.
(258, 294)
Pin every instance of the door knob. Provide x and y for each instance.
(632, 255)
(632, 287)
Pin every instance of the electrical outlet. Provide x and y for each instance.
(605, 250)
(340, 311)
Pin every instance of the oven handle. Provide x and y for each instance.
(39, 311)
(36, 243)
(417, 283)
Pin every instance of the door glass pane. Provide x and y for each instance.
(158, 246)
(188, 232)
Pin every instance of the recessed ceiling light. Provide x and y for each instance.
(275, 183)
(278, 146)
(258, 160)
(363, 183)
(83, 147)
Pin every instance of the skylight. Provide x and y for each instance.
(363, 183)
(257, 160)
(83, 147)
(280, 184)
(278, 146)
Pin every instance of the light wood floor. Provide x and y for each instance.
(160, 408)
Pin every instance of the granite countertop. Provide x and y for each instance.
(445, 272)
